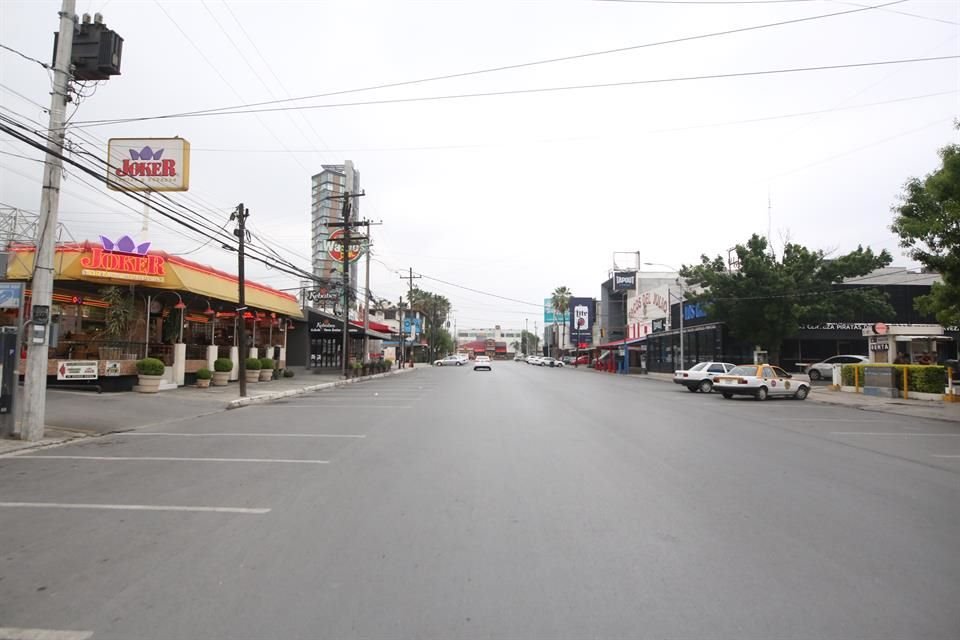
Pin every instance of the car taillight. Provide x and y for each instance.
(686, 375)
(741, 381)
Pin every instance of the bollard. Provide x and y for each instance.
(905, 386)
(856, 379)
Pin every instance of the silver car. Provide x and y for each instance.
(825, 369)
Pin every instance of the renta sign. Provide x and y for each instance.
(123, 260)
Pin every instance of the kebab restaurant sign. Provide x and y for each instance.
(123, 260)
(148, 164)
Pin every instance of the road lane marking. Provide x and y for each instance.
(333, 406)
(169, 459)
(944, 456)
(891, 433)
(12, 633)
(240, 435)
(133, 507)
(831, 420)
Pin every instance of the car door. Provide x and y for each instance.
(769, 380)
(714, 370)
(780, 384)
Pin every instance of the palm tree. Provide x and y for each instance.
(560, 300)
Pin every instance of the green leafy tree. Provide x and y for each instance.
(435, 309)
(928, 223)
(560, 301)
(118, 314)
(767, 299)
(530, 343)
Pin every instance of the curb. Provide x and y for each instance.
(30, 446)
(269, 397)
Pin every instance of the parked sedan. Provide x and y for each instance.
(449, 361)
(550, 362)
(533, 360)
(701, 376)
(762, 381)
(825, 369)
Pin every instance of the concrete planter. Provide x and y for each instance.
(253, 375)
(266, 375)
(149, 384)
(220, 378)
(203, 384)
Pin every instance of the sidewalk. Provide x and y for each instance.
(933, 409)
(79, 414)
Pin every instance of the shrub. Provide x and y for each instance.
(388, 362)
(357, 366)
(920, 377)
(150, 367)
(288, 373)
(266, 363)
(253, 364)
(204, 374)
(223, 365)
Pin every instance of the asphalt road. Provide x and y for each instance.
(521, 503)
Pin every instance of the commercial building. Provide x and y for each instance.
(116, 302)
(334, 180)
(511, 338)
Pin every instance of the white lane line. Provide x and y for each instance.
(237, 435)
(888, 433)
(830, 420)
(943, 456)
(169, 459)
(13, 633)
(133, 507)
(333, 406)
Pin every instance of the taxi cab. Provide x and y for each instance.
(762, 381)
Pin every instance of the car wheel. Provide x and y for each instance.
(761, 393)
(459, 364)
(691, 389)
(801, 393)
(815, 374)
(726, 395)
(706, 386)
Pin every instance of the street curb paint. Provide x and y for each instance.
(245, 402)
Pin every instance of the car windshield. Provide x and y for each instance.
(744, 370)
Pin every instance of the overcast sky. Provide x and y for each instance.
(512, 194)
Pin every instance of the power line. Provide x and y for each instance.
(25, 56)
(506, 92)
(520, 65)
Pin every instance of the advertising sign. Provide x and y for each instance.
(76, 370)
(550, 316)
(624, 280)
(649, 304)
(10, 295)
(582, 311)
(111, 368)
(148, 164)
(123, 260)
(414, 324)
(334, 246)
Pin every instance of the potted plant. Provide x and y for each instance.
(221, 371)
(203, 377)
(150, 372)
(288, 373)
(253, 370)
(357, 368)
(266, 369)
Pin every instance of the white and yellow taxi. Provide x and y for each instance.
(762, 381)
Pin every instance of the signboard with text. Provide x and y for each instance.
(550, 316)
(582, 314)
(624, 280)
(148, 164)
(77, 369)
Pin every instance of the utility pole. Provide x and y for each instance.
(366, 306)
(346, 240)
(403, 338)
(410, 278)
(240, 215)
(35, 378)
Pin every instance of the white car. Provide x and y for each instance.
(550, 362)
(824, 369)
(519, 358)
(464, 358)
(533, 360)
(449, 361)
(762, 381)
(483, 362)
(701, 376)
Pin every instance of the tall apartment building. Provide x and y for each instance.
(334, 180)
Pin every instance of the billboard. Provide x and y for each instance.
(148, 164)
(334, 246)
(624, 280)
(550, 316)
(582, 317)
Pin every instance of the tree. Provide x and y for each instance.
(435, 308)
(560, 301)
(530, 342)
(767, 299)
(928, 223)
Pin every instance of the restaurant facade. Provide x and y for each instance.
(116, 302)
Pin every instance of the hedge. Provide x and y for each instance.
(253, 364)
(920, 377)
(150, 367)
(223, 365)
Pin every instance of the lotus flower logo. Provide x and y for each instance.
(125, 244)
(145, 154)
